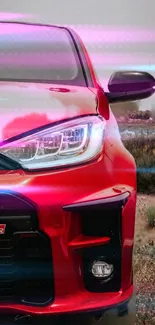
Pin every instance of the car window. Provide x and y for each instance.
(38, 53)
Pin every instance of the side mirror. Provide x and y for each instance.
(130, 86)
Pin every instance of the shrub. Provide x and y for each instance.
(151, 216)
(143, 151)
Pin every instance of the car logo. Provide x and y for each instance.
(2, 229)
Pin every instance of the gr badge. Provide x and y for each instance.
(2, 229)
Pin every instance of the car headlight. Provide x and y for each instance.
(68, 143)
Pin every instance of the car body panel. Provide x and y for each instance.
(26, 107)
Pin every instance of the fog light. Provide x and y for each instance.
(102, 269)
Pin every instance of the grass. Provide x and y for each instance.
(143, 150)
(151, 216)
(144, 262)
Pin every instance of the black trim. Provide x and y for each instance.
(14, 194)
(125, 97)
(26, 269)
(82, 57)
(109, 203)
(103, 221)
(7, 163)
(101, 218)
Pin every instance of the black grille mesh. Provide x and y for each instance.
(26, 273)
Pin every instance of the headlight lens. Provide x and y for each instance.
(68, 143)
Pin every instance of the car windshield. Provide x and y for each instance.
(34, 53)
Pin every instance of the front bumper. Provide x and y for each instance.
(62, 225)
(119, 314)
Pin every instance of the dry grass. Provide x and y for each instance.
(143, 150)
(143, 235)
(151, 216)
(144, 262)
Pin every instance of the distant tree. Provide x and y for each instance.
(141, 115)
(125, 109)
(147, 114)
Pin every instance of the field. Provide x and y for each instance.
(144, 263)
(142, 146)
(143, 150)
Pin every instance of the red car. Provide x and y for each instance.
(67, 183)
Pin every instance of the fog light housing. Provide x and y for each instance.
(102, 270)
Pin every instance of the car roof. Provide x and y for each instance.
(36, 24)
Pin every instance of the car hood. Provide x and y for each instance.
(26, 106)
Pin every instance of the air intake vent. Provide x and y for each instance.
(103, 223)
(26, 273)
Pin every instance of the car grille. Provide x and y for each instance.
(26, 273)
